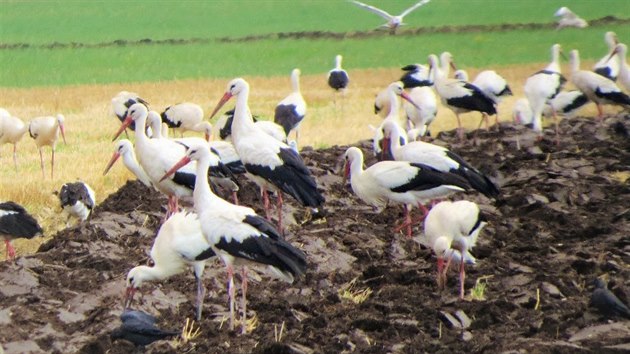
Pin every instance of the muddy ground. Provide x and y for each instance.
(562, 220)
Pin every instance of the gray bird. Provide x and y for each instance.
(139, 328)
(606, 302)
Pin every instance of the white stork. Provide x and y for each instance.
(77, 200)
(121, 103)
(542, 87)
(393, 22)
(338, 78)
(124, 148)
(568, 18)
(452, 225)
(400, 182)
(224, 127)
(179, 244)
(491, 84)
(597, 88)
(16, 222)
(237, 234)
(291, 110)
(417, 80)
(458, 96)
(394, 90)
(156, 156)
(621, 51)
(272, 164)
(186, 116)
(437, 157)
(230, 159)
(45, 131)
(605, 67)
(12, 129)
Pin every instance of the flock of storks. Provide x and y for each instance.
(411, 172)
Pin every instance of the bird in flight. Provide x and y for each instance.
(393, 22)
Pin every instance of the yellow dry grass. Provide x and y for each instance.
(90, 126)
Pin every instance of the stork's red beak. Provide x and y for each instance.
(123, 126)
(111, 162)
(183, 162)
(406, 97)
(612, 54)
(62, 129)
(207, 136)
(224, 99)
(129, 293)
(346, 172)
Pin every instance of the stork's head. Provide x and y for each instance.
(135, 278)
(234, 88)
(123, 147)
(135, 112)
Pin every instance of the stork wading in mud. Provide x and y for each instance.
(237, 234)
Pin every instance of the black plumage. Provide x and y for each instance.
(618, 97)
(412, 77)
(477, 180)
(16, 222)
(291, 177)
(429, 178)
(287, 117)
(169, 121)
(130, 102)
(338, 80)
(139, 328)
(606, 302)
(605, 72)
(272, 250)
(475, 101)
(78, 199)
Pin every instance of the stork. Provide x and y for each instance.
(12, 129)
(186, 116)
(605, 67)
(237, 234)
(621, 51)
(393, 22)
(121, 103)
(597, 88)
(291, 110)
(272, 164)
(493, 85)
(568, 18)
(400, 182)
(458, 96)
(542, 87)
(124, 148)
(16, 222)
(338, 78)
(45, 131)
(77, 200)
(224, 126)
(157, 155)
(437, 157)
(452, 225)
(179, 244)
(394, 90)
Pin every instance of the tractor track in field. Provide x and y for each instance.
(604, 21)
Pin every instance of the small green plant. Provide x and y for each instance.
(478, 291)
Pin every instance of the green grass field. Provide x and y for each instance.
(43, 23)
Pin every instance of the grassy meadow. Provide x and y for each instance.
(80, 82)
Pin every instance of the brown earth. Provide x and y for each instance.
(562, 220)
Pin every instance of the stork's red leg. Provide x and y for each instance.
(279, 206)
(41, 162)
(244, 300)
(235, 197)
(230, 291)
(462, 276)
(10, 251)
(265, 197)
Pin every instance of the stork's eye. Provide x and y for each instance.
(232, 87)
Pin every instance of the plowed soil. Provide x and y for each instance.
(563, 219)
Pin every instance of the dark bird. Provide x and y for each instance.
(606, 302)
(121, 103)
(15, 222)
(338, 78)
(139, 328)
(77, 199)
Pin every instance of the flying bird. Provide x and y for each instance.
(568, 18)
(393, 22)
